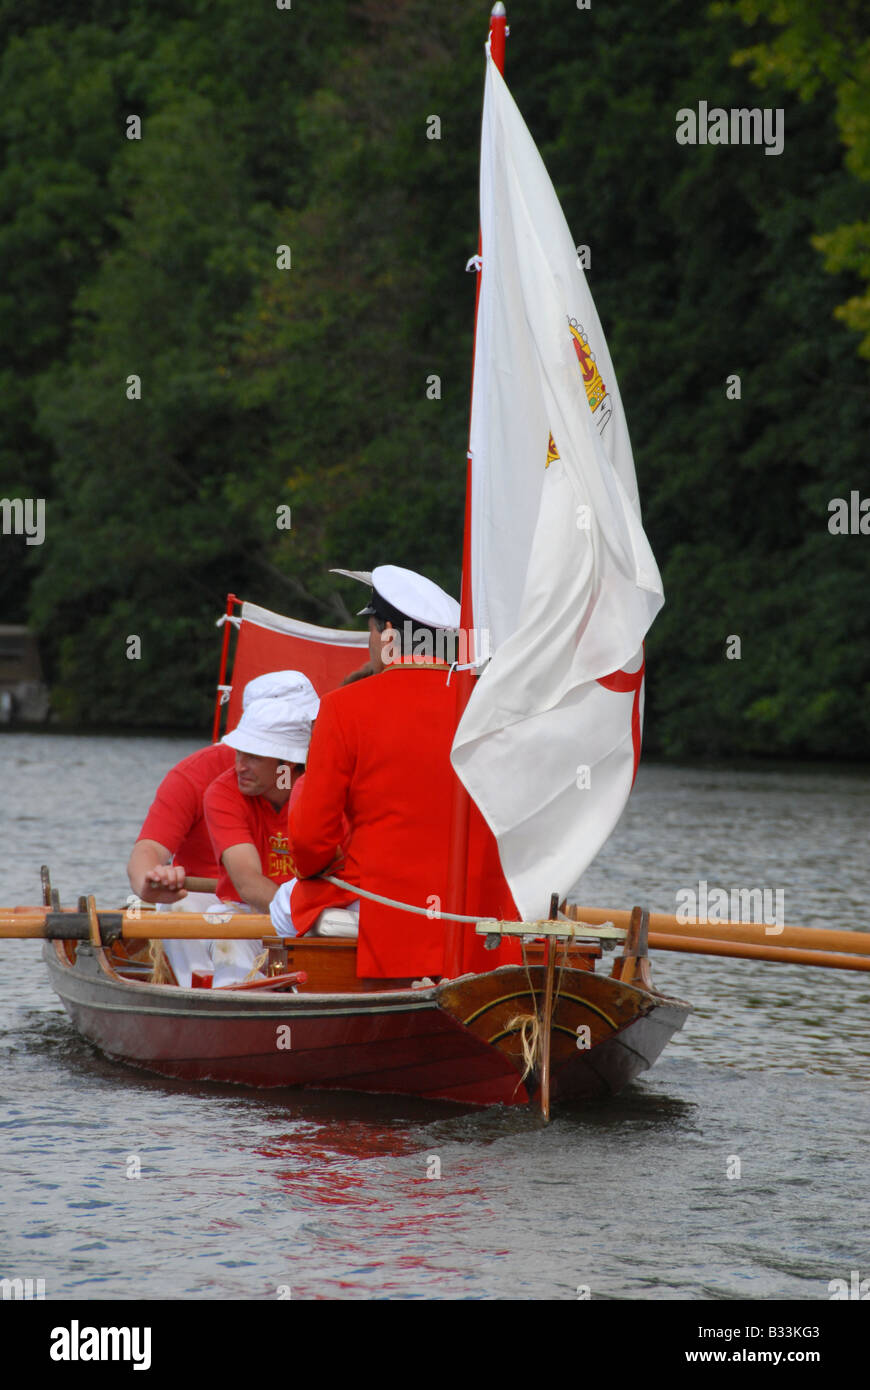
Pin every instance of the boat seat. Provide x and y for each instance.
(336, 921)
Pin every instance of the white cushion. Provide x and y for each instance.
(337, 921)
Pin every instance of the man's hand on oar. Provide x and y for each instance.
(165, 884)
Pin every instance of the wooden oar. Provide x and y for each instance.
(34, 923)
(31, 923)
(784, 955)
(807, 938)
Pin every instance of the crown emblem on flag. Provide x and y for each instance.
(596, 392)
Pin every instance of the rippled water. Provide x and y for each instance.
(242, 1194)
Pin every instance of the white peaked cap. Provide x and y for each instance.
(411, 594)
(278, 712)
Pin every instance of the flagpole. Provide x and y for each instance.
(457, 873)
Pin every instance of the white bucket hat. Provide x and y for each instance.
(276, 722)
(274, 685)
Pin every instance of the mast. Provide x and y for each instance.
(464, 680)
(232, 602)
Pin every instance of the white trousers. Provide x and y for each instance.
(231, 961)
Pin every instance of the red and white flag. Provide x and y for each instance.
(563, 578)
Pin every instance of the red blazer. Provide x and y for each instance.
(380, 753)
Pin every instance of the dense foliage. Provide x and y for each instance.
(305, 387)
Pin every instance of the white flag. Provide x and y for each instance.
(563, 578)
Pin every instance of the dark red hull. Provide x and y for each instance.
(401, 1041)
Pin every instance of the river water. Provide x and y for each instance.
(737, 1168)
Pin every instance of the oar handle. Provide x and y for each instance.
(200, 885)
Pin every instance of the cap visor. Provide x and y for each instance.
(364, 576)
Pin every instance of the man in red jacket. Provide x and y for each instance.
(380, 753)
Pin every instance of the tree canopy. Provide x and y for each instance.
(171, 378)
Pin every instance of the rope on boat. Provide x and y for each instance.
(575, 927)
(161, 974)
(259, 962)
(529, 1028)
(403, 907)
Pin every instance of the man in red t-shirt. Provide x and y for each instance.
(246, 807)
(174, 842)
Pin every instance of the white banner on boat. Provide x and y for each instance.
(563, 577)
(294, 627)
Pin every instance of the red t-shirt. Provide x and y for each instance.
(236, 819)
(176, 820)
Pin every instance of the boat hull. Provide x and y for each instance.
(402, 1041)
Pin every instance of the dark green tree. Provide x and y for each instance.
(313, 387)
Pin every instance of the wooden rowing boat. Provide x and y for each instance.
(313, 1023)
(550, 1028)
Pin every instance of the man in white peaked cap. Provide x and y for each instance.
(380, 755)
(401, 596)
